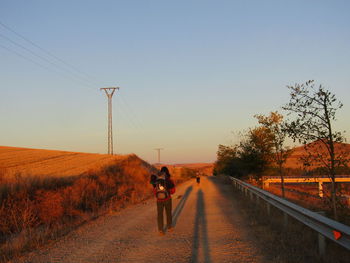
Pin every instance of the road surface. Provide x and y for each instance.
(208, 228)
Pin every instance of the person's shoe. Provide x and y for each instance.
(170, 229)
(161, 233)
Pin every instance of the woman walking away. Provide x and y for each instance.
(163, 188)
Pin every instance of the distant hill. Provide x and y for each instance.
(204, 168)
(298, 152)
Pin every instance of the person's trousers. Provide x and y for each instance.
(167, 205)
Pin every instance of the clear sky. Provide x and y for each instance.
(190, 72)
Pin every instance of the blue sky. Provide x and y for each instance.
(190, 72)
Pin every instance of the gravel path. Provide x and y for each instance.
(208, 228)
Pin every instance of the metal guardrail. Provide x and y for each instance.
(326, 227)
(304, 176)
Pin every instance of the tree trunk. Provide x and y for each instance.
(334, 186)
(332, 156)
(334, 200)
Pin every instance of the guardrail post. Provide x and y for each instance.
(321, 240)
(321, 245)
(251, 195)
(268, 208)
(257, 200)
(285, 219)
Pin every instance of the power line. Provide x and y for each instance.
(39, 64)
(128, 116)
(46, 60)
(132, 112)
(64, 68)
(89, 77)
(24, 57)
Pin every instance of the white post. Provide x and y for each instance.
(320, 189)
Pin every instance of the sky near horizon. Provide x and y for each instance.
(191, 73)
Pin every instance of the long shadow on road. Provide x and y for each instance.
(181, 205)
(200, 234)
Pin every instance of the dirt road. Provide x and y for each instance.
(208, 228)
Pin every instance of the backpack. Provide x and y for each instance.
(161, 191)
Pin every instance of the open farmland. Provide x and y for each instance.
(37, 162)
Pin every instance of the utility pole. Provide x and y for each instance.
(109, 92)
(158, 150)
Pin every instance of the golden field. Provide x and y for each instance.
(26, 161)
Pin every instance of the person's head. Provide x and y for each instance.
(165, 170)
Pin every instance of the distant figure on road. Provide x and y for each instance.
(198, 178)
(163, 188)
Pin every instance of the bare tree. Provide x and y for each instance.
(274, 124)
(314, 109)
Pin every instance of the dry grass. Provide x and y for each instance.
(295, 243)
(36, 208)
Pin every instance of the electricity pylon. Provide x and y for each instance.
(109, 92)
(158, 150)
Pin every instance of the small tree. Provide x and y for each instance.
(277, 135)
(314, 110)
(225, 160)
(250, 155)
(255, 150)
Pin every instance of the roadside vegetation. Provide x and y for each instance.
(309, 120)
(37, 209)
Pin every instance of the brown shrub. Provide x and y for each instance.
(49, 206)
(17, 213)
(71, 201)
